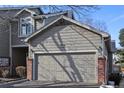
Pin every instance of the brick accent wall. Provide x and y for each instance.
(29, 69)
(101, 69)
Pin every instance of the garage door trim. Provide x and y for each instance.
(62, 52)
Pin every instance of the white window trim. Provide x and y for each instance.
(20, 26)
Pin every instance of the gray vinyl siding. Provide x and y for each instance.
(16, 40)
(4, 31)
(4, 39)
(4, 44)
(66, 38)
(24, 14)
(8, 13)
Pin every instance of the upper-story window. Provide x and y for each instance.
(26, 27)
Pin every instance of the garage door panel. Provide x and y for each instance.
(67, 67)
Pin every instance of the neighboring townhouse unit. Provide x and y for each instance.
(55, 46)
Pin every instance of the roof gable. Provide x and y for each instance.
(67, 19)
(10, 12)
(25, 9)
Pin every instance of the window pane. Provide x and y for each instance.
(29, 30)
(23, 29)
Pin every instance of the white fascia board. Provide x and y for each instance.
(82, 25)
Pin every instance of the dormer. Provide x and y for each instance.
(25, 22)
(26, 26)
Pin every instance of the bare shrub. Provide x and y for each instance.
(5, 73)
(21, 71)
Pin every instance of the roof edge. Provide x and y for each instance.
(67, 19)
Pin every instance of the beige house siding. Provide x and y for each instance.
(38, 24)
(65, 38)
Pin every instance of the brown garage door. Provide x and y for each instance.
(76, 67)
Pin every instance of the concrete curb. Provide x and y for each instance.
(36, 84)
(10, 83)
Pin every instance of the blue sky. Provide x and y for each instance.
(113, 16)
